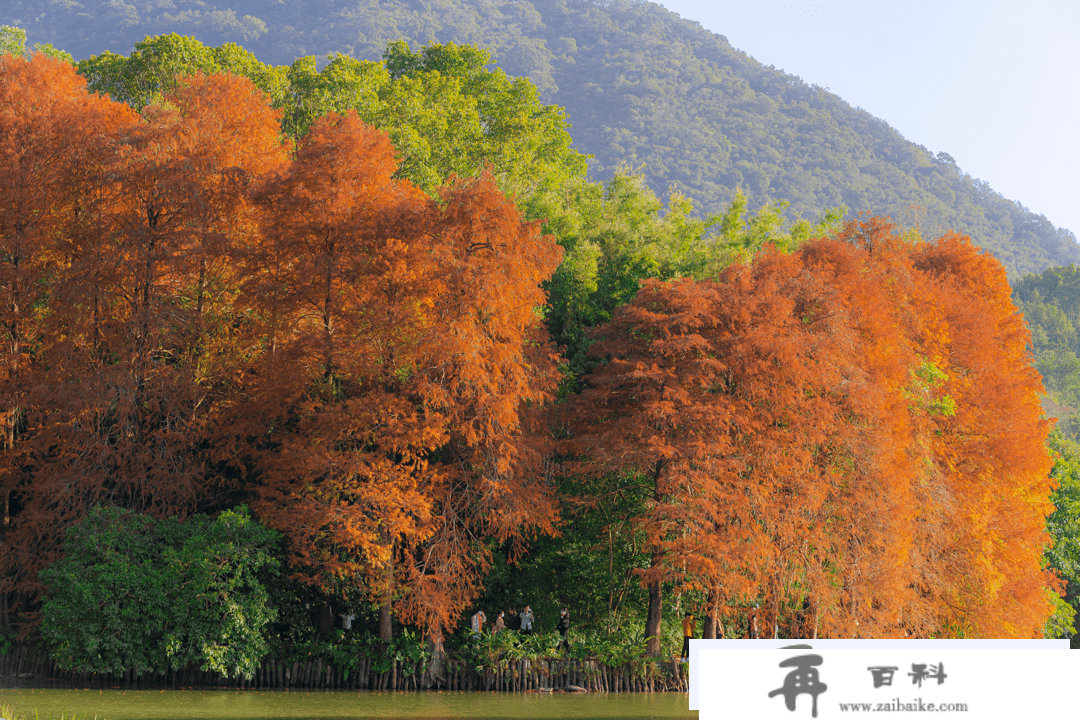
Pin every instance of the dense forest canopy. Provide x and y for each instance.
(382, 304)
(643, 88)
(199, 311)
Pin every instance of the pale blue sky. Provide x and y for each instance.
(994, 83)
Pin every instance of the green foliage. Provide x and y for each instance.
(343, 84)
(445, 112)
(625, 647)
(1064, 527)
(617, 234)
(1050, 302)
(525, 141)
(925, 394)
(12, 40)
(156, 62)
(496, 651)
(1060, 626)
(142, 594)
(346, 649)
(590, 568)
(50, 51)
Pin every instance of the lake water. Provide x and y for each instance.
(281, 705)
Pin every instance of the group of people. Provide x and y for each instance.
(524, 622)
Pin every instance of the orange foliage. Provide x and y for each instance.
(850, 434)
(53, 135)
(992, 451)
(404, 347)
(136, 343)
(188, 308)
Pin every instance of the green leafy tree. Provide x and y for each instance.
(135, 593)
(155, 63)
(344, 84)
(1050, 302)
(49, 50)
(1064, 526)
(445, 111)
(12, 40)
(619, 233)
(525, 141)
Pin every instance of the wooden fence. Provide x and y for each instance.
(23, 665)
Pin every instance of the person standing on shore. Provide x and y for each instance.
(564, 629)
(688, 633)
(526, 621)
(500, 624)
(478, 624)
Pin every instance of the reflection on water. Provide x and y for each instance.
(274, 705)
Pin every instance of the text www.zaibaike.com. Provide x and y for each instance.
(898, 705)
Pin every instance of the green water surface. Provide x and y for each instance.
(358, 705)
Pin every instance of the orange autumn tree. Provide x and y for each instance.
(895, 505)
(976, 431)
(808, 459)
(344, 286)
(403, 347)
(991, 450)
(650, 411)
(491, 377)
(137, 345)
(786, 416)
(736, 398)
(52, 134)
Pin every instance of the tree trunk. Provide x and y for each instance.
(436, 673)
(386, 630)
(652, 621)
(712, 612)
(325, 618)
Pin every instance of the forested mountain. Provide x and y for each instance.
(1051, 306)
(642, 87)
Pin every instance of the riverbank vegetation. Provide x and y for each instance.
(283, 386)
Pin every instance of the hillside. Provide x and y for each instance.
(1051, 306)
(642, 87)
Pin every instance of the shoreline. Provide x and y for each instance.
(25, 668)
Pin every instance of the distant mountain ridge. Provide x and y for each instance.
(642, 86)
